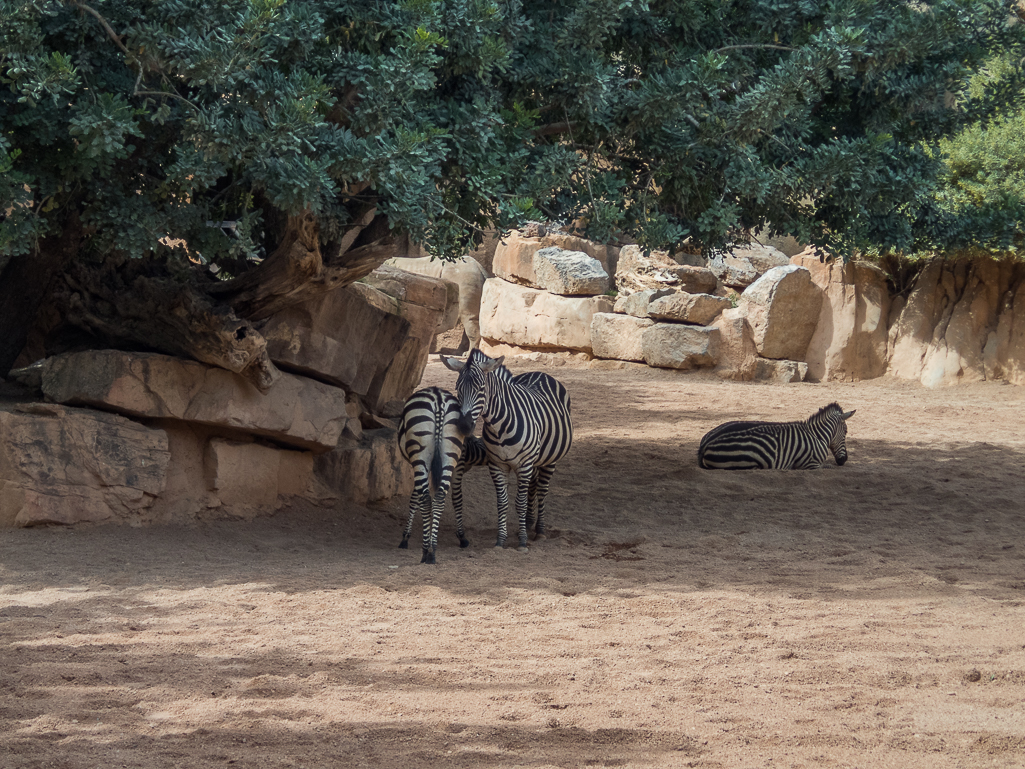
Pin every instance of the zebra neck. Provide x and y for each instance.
(824, 428)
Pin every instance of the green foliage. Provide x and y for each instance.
(658, 119)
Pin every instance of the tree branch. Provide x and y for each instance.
(105, 25)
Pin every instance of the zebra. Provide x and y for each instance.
(777, 445)
(527, 429)
(432, 440)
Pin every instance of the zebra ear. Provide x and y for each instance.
(848, 414)
(453, 363)
(491, 365)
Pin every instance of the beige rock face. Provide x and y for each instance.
(700, 309)
(850, 340)
(783, 309)
(252, 475)
(338, 337)
(636, 304)
(569, 273)
(67, 465)
(296, 411)
(636, 271)
(963, 321)
(737, 354)
(673, 345)
(528, 317)
(514, 256)
(743, 265)
(372, 470)
(618, 336)
(784, 371)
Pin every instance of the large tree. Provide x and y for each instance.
(173, 172)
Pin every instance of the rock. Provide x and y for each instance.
(569, 273)
(297, 411)
(528, 317)
(636, 304)
(743, 265)
(250, 475)
(672, 345)
(369, 472)
(699, 309)
(67, 465)
(963, 321)
(850, 339)
(618, 336)
(514, 257)
(339, 337)
(468, 276)
(783, 309)
(737, 354)
(785, 371)
(636, 271)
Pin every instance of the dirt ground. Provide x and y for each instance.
(869, 615)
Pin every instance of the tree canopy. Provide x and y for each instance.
(258, 151)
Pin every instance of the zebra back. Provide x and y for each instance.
(777, 445)
(430, 437)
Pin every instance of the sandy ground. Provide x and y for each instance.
(866, 616)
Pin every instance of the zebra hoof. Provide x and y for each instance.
(428, 557)
(403, 545)
(464, 543)
(523, 549)
(540, 536)
(500, 546)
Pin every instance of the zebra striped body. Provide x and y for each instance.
(431, 440)
(527, 429)
(777, 445)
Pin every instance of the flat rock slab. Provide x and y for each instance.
(674, 345)
(699, 309)
(66, 465)
(617, 336)
(569, 273)
(296, 411)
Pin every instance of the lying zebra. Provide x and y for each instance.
(777, 445)
(432, 439)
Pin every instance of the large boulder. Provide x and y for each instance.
(738, 356)
(514, 257)
(339, 337)
(674, 345)
(528, 317)
(783, 371)
(636, 304)
(637, 271)
(963, 321)
(743, 265)
(699, 309)
(783, 309)
(850, 340)
(67, 465)
(618, 336)
(569, 273)
(296, 411)
(369, 471)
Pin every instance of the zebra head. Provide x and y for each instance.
(472, 383)
(838, 439)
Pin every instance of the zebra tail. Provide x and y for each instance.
(437, 464)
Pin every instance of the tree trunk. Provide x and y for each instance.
(24, 281)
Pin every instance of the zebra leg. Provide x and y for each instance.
(543, 479)
(431, 523)
(532, 501)
(416, 502)
(502, 493)
(457, 503)
(523, 480)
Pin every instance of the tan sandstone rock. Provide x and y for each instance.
(636, 304)
(700, 309)
(370, 471)
(783, 309)
(569, 273)
(297, 411)
(636, 271)
(743, 265)
(850, 340)
(674, 345)
(618, 336)
(467, 275)
(784, 371)
(67, 465)
(514, 256)
(529, 317)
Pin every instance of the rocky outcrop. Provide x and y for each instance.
(783, 308)
(637, 271)
(67, 465)
(368, 472)
(743, 265)
(850, 339)
(963, 321)
(514, 257)
(530, 317)
(698, 309)
(636, 304)
(569, 273)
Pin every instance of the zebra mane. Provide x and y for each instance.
(480, 358)
(832, 408)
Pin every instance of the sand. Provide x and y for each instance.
(868, 615)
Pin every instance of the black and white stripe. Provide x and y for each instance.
(431, 439)
(527, 429)
(777, 445)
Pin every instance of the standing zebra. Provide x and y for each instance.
(431, 439)
(527, 429)
(777, 445)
